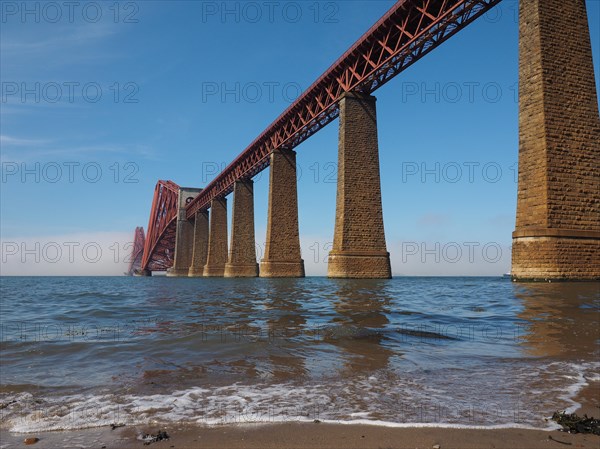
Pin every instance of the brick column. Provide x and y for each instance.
(184, 235)
(359, 249)
(242, 254)
(200, 250)
(217, 239)
(557, 234)
(282, 252)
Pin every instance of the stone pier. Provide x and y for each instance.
(217, 239)
(184, 236)
(557, 234)
(200, 251)
(242, 254)
(282, 252)
(359, 249)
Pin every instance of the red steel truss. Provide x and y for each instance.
(137, 252)
(160, 242)
(406, 33)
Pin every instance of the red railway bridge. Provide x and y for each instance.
(557, 233)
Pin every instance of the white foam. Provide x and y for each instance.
(580, 381)
(369, 422)
(337, 401)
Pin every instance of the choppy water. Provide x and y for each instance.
(86, 352)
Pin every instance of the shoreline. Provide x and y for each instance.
(588, 399)
(322, 435)
(307, 435)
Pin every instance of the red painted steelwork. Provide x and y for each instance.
(137, 252)
(160, 243)
(407, 32)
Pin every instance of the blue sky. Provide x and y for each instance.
(117, 98)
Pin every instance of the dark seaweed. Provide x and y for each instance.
(574, 424)
(150, 438)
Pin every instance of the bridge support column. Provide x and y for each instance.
(184, 236)
(200, 250)
(282, 252)
(242, 254)
(359, 249)
(557, 234)
(217, 239)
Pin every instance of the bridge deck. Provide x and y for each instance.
(406, 33)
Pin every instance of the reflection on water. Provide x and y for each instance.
(286, 320)
(359, 329)
(561, 319)
(470, 351)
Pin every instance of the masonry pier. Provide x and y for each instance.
(359, 249)
(557, 235)
(282, 252)
(242, 254)
(217, 239)
(184, 235)
(200, 250)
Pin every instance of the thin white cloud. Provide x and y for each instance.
(18, 149)
(74, 36)
(17, 141)
(28, 51)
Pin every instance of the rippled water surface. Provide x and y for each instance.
(84, 352)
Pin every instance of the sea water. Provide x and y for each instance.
(81, 352)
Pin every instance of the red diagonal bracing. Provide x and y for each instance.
(160, 241)
(406, 33)
(137, 251)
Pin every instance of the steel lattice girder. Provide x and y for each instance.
(160, 241)
(137, 251)
(406, 33)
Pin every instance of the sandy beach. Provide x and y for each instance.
(319, 435)
(304, 436)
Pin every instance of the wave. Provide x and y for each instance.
(371, 400)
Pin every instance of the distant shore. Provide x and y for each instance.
(320, 435)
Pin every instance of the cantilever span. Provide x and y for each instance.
(159, 247)
(137, 252)
(406, 33)
(557, 232)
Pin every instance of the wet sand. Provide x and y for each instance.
(589, 398)
(303, 436)
(319, 435)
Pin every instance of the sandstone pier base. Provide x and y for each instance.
(359, 249)
(242, 254)
(282, 252)
(217, 239)
(184, 235)
(200, 251)
(557, 234)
